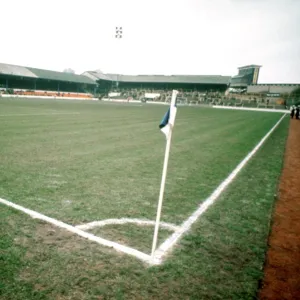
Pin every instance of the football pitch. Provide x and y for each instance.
(80, 162)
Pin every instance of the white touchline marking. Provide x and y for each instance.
(102, 223)
(252, 109)
(167, 245)
(140, 255)
(122, 103)
(42, 114)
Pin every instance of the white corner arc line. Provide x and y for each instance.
(168, 244)
(122, 221)
(140, 255)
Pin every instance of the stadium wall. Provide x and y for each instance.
(72, 97)
(272, 88)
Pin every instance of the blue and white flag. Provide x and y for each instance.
(167, 123)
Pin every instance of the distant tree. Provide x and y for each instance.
(296, 93)
(295, 97)
(69, 70)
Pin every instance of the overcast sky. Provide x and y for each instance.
(159, 36)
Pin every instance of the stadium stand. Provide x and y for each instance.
(32, 81)
(60, 76)
(247, 75)
(188, 79)
(239, 90)
(272, 88)
(12, 70)
(42, 93)
(157, 87)
(191, 82)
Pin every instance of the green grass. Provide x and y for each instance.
(105, 161)
(138, 237)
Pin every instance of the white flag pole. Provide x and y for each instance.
(164, 173)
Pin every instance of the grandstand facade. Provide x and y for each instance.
(29, 81)
(247, 75)
(19, 78)
(272, 88)
(245, 87)
(160, 82)
(26, 80)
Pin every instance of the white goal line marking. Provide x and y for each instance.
(166, 247)
(40, 114)
(168, 244)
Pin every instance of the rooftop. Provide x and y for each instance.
(250, 66)
(90, 77)
(20, 71)
(196, 79)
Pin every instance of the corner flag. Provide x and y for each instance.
(167, 123)
(166, 126)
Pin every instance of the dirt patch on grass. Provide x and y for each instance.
(282, 269)
(48, 234)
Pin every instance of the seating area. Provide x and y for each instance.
(162, 95)
(255, 103)
(196, 97)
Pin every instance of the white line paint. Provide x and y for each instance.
(46, 97)
(124, 103)
(122, 221)
(168, 244)
(41, 114)
(253, 109)
(133, 252)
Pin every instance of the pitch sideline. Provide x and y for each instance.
(168, 244)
